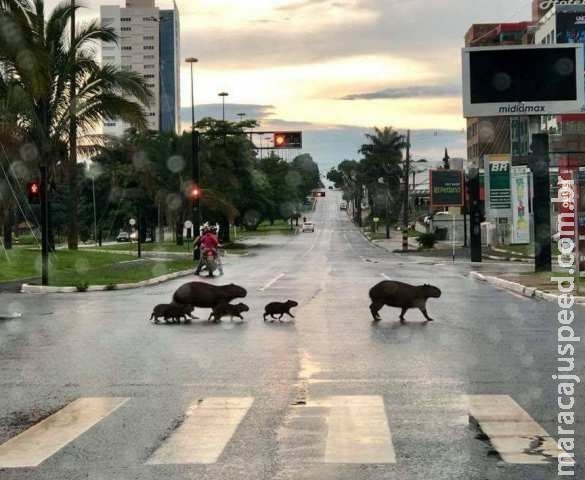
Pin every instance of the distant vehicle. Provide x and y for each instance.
(343, 206)
(330, 187)
(308, 227)
(123, 237)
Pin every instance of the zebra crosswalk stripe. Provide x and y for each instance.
(513, 433)
(207, 429)
(44, 439)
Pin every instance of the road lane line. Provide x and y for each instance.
(207, 429)
(33, 446)
(513, 433)
(358, 430)
(272, 282)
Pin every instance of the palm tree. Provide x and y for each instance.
(382, 165)
(37, 61)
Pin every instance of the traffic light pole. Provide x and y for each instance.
(44, 204)
(405, 211)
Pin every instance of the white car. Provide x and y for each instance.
(308, 227)
(343, 206)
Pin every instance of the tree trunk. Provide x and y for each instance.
(8, 224)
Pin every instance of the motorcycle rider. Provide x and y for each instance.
(209, 242)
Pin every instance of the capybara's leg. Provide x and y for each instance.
(375, 307)
(239, 315)
(280, 317)
(265, 316)
(423, 309)
(290, 315)
(210, 316)
(402, 319)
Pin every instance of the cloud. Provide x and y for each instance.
(214, 110)
(408, 92)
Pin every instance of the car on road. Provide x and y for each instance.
(123, 237)
(308, 227)
(343, 206)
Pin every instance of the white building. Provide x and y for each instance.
(138, 26)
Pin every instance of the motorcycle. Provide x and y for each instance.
(209, 261)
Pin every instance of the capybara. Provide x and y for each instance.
(401, 295)
(172, 311)
(205, 295)
(279, 308)
(228, 310)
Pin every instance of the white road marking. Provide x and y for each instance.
(44, 439)
(516, 436)
(385, 276)
(358, 430)
(202, 437)
(272, 282)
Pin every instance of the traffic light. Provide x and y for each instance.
(288, 140)
(33, 191)
(195, 192)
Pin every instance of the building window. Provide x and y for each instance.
(149, 19)
(148, 47)
(108, 58)
(151, 85)
(151, 114)
(126, 19)
(148, 57)
(109, 124)
(108, 48)
(126, 29)
(126, 48)
(148, 37)
(148, 67)
(149, 75)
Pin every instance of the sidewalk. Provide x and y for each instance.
(529, 285)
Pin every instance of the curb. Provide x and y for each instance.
(39, 289)
(523, 290)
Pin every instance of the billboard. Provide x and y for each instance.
(570, 27)
(523, 80)
(498, 179)
(446, 188)
(520, 210)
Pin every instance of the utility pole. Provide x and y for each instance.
(196, 214)
(406, 196)
(44, 223)
(73, 190)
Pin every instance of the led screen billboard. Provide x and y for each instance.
(523, 80)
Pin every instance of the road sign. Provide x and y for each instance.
(446, 188)
(376, 219)
(132, 222)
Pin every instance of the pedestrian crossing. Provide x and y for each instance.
(351, 429)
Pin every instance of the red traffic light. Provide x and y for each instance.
(33, 191)
(288, 140)
(195, 192)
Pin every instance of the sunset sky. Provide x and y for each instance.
(334, 68)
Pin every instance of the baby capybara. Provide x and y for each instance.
(170, 311)
(228, 310)
(279, 308)
(403, 296)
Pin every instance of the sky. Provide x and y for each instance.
(334, 68)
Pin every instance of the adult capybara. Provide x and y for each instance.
(170, 311)
(228, 310)
(279, 308)
(401, 295)
(205, 295)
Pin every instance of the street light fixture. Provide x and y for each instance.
(196, 217)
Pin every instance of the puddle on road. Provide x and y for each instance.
(309, 367)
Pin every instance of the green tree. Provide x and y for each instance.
(37, 60)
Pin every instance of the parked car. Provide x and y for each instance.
(123, 237)
(343, 206)
(308, 227)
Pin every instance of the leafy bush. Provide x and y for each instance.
(426, 240)
(82, 286)
(111, 286)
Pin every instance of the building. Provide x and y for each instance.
(149, 45)
(564, 24)
(496, 135)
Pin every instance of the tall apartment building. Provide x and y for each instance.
(497, 135)
(149, 44)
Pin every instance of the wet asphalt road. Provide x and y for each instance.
(484, 341)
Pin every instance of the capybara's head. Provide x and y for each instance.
(291, 303)
(235, 291)
(242, 307)
(430, 291)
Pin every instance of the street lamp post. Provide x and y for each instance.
(223, 95)
(196, 216)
